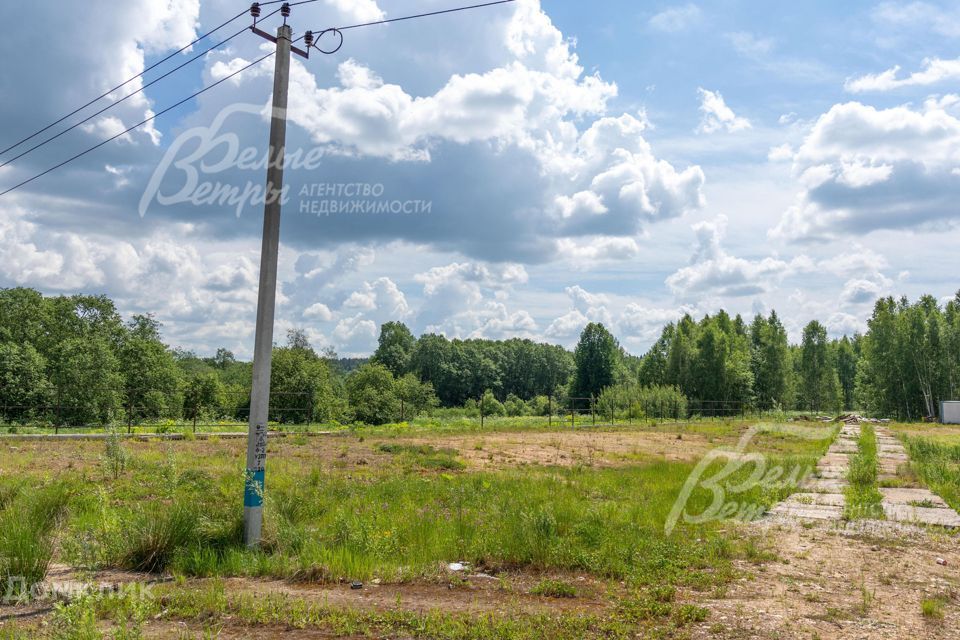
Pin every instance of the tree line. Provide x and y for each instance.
(74, 360)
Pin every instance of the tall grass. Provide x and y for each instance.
(609, 522)
(27, 526)
(863, 496)
(410, 516)
(938, 465)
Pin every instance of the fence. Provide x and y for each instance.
(97, 407)
(665, 410)
(125, 408)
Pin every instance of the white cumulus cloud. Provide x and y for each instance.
(935, 70)
(717, 116)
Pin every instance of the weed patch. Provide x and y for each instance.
(863, 495)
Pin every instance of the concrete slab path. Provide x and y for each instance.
(823, 497)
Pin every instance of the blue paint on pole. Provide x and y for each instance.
(253, 489)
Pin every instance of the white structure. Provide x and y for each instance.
(950, 412)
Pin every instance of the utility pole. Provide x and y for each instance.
(267, 293)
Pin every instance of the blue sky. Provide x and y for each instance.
(619, 162)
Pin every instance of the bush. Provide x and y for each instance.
(539, 406)
(115, 456)
(514, 406)
(631, 401)
(491, 406)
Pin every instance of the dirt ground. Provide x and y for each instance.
(346, 451)
(597, 448)
(863, 581)
(857, 581)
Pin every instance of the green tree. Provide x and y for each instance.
(395, 347)
(372, 393)
(846, 357)
(24, 317)
(202, 395)
(24, 389)
(819, 383)
(301, 385)
(769, 361)
(151, 372)
(88, 381)
(415, 396)
(596, 357)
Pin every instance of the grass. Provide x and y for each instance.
(156, 533)
(27, 525)
(401, 527)
(174, 507)
(863, 495)
(433, 425)
(938, 465)
(554, 589)
(206, 607)
(932, 608)
(425, 456)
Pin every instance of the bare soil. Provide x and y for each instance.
(345, 451)
(863, 581)
(596, 448)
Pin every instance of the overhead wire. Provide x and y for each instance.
(139, 124)
(234, 74)
(124, 83)
(124, 98)
(424, 15)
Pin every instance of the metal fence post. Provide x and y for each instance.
(481, 411)
(310, 409)
(56, 422)
(549, 411)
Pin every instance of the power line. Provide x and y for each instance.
(124, 83)
(423, 15)
(292, 4)
(121, 100)
(139, 124)
(235, 73)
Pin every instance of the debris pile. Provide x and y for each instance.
(855, 418)
(847, 418)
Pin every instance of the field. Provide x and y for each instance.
(514, 531)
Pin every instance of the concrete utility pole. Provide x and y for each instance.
(267, 293)
(266, 299)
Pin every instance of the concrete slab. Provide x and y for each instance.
(825, 485)
(907, 496)
(821, 499)
(809, 512)
(891, 452)
(921, 515)
(832, 474)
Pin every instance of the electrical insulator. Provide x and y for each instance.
(255, 10)
(285, 9)
(308, 39)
